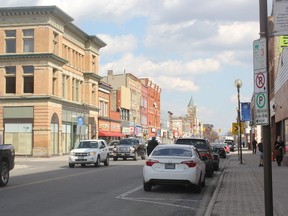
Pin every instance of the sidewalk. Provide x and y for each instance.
(240, 189)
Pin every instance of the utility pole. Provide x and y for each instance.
(268, 191)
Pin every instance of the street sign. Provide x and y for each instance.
(236, 128)
(261, 108)
(259, 54)
(260, 81)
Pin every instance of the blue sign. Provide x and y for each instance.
(245, 111)
(80, 121)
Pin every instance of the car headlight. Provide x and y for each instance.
(91, 153)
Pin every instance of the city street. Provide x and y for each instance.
(47, 186)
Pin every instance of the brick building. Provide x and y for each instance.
(48, 81)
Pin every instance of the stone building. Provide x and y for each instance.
(48, 81)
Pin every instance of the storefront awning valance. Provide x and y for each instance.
(110, 134)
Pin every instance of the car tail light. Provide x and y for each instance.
(207, 156)
(189, 163)
(151, 162)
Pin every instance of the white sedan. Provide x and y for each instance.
(174, 164)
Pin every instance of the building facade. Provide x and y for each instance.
(48, 81)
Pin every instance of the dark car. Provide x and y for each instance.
(7, 162)
(220, 149)
(129, 148)
(216, 163)
(204, 149)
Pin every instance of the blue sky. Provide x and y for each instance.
(190, 48)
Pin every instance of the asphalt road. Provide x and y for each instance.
(48, 187)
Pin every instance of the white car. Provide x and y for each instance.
(89, 152)
(174, 164)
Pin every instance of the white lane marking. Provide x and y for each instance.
(153, 200)
(54, 179)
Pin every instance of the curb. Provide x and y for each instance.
(216, 192)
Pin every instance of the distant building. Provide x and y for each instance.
(188, 125)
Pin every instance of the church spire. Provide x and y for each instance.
(191, 102)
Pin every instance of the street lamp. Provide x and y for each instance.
(238, 84)
(134, 132)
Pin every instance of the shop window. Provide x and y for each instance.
(28, 40)
(28, 77)
(10, 41)
(10, 79)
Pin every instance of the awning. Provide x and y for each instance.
(110, 134)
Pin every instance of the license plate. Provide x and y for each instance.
(169, 166)
(123, 154)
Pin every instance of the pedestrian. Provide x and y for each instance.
(151, 145)
(278, 150)
(254, 144)
(260, 150)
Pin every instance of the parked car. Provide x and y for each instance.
(89, 152)
(204, 149)
(7, 162)
(220, 149)
(227, 148)
(174, 164)
(216, 162)
(129, 148)
(231, 145)
(112, 145)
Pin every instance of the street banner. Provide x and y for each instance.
(245, 111)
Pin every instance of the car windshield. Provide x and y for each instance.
(218, 146)
(88, 144)
(199, 144)
(172, 152)
(127, 142)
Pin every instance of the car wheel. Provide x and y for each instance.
(203, 182)
(83, 165)
(115, 158)
(97, 164)
(197, 188)
(4, 173)
(106, 162)
(210, 172)
(71, 165)
(147, 186)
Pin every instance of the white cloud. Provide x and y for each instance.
(118, 44)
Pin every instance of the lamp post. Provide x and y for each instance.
(238, 84)
(134, 131)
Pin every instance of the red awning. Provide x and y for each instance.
(110, 134)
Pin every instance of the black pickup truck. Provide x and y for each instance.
(7, 157)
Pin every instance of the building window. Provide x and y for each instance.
(65, 86)
(54, 82)
(10, 79)
(93, 94)
(76, 90)
(10, 40)
(28, 76)
(55, 43)
(94, 63)
(28, 40)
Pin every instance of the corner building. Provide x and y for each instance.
(48, 81)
